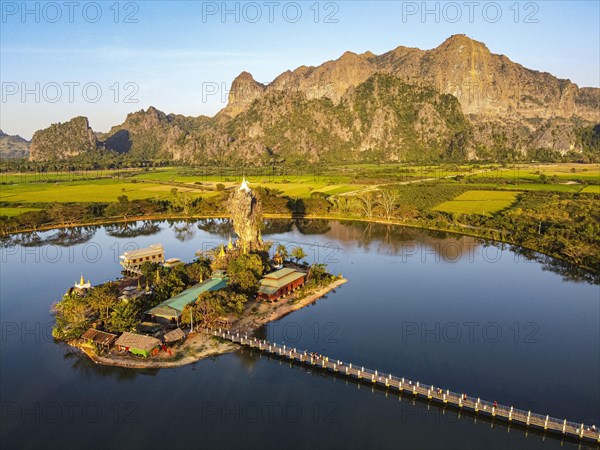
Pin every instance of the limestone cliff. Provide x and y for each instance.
(63, 140)
(452, 102)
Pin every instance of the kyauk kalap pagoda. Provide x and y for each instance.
(246, 213)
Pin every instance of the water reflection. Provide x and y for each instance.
(222, 227)
(391, 239)
(83, 365)
(133, 229)
(63, 237)
(404, 242)
(183, 231)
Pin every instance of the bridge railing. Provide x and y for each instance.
(461, 399)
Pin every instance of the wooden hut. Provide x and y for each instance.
(100, 338)
(138, 344)
(175, 335)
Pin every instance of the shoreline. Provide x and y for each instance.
(198, 345)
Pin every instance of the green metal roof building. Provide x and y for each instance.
(172, 309)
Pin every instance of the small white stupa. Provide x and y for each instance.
(244, 186)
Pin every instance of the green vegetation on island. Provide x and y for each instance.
(156, 296)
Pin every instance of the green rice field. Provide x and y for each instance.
(592, 189)
(157, 183)
(478, 202)
(12, 212)
(104, 190)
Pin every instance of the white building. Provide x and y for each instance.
(133, 260)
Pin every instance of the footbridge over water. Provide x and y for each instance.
(435, 394)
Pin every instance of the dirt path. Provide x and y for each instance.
(376, 187)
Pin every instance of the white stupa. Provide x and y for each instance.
(244, 186)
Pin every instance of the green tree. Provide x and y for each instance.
(172, 282)
(72, 317)
(148, 270)
(212, 305)
(318, 274)
(199, 270)
(245, 272)
(126, 316)
(298, 254)
(103, 298)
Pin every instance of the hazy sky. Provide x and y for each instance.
(59, 59)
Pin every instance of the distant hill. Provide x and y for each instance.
(454, 102)
(13, 147)
(63, 140)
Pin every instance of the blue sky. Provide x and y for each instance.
(171, 54)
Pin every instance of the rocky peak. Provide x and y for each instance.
(244, 90)
(63, 140)
(145, 119)
(349, 57)
(152, 111)
(456, 41)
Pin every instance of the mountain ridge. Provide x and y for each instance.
(510, 110)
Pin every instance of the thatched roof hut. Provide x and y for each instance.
(101, 338)
(138, 344)
(175, 335)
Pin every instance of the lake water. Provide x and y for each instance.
(442, 309)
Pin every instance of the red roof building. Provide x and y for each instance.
(280, 283)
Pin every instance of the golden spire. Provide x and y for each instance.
(147, 286)
(139, 286)
(222, 252)
(81, 280)
(230, 244)
(157, 276)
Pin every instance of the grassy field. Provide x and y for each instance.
(478, 202)
(34, 177)
(563, 172)
(105, 190)
(107, 185)
(12, 212)
(532, 187)
(592, 190)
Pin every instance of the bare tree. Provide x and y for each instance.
(366, 202)
(388, 201)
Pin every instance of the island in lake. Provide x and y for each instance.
(154, 316)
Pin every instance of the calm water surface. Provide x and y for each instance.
(445, 310)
